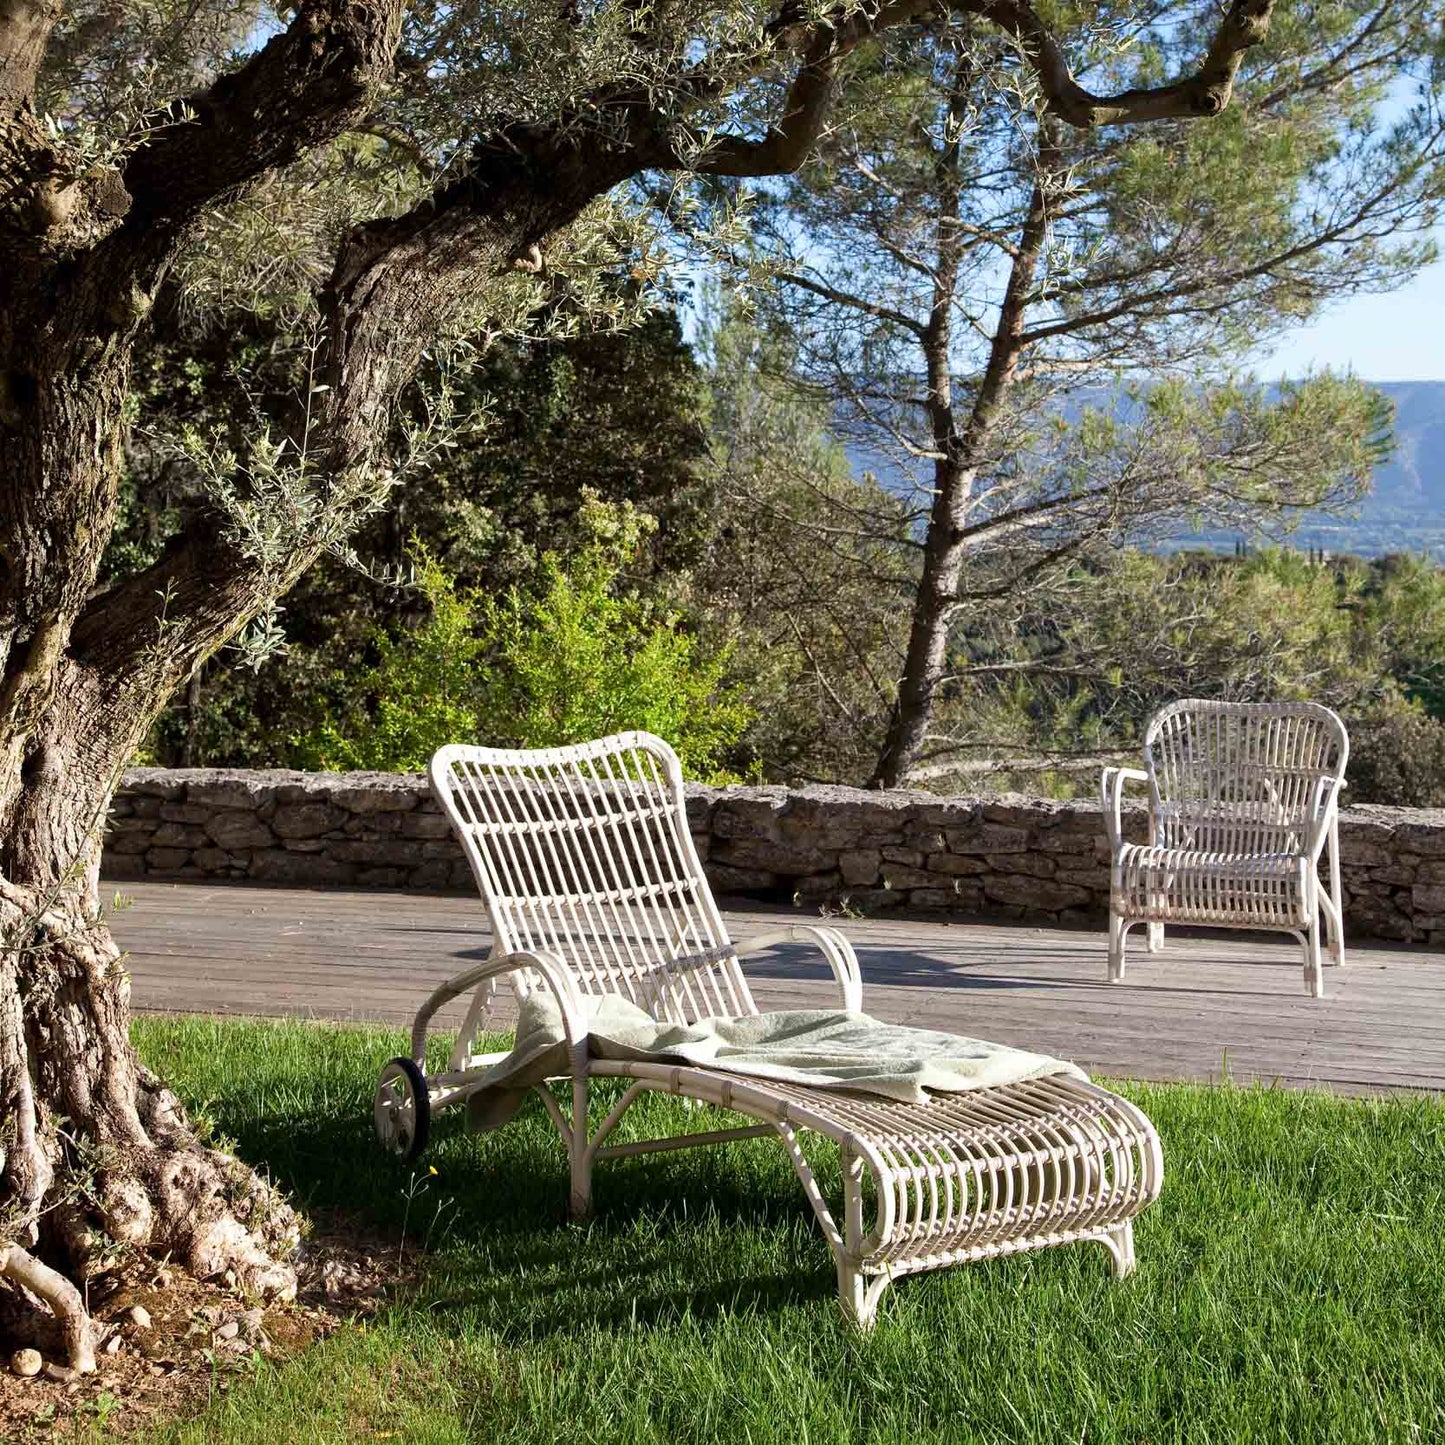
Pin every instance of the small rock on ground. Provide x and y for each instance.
(139, 1316)
(26, 1363)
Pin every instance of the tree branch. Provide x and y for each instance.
(303, 88)
(1206, 92)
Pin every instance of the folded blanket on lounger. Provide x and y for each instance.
(823, 1048)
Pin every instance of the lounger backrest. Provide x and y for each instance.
(1241, 777)
(585, 852)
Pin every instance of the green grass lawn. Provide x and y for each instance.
(1291, 1283)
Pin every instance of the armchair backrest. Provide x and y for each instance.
(1242, 777)
(585, 852)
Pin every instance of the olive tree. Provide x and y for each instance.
(140, 141)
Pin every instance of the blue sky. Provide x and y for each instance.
(1396, 337)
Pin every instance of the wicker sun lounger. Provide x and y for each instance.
(593, 885)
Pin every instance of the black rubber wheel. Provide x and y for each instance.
(401, 1110)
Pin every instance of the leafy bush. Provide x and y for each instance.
(1397, 755)
(575, 657)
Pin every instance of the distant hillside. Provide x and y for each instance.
(1405, 512)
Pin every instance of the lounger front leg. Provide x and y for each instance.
(1119, 1241)
(579, 1204)
(857, 1293)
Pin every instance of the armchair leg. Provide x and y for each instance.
(1336, 914)
(1314, 961)
(1116, 948)
(1156, 938)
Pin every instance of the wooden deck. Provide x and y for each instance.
(1206, 1007)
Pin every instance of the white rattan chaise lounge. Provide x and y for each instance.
(1243, 800)
(593, 885)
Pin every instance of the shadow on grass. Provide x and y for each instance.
(719, 1229)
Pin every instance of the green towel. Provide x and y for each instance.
(822, 1048)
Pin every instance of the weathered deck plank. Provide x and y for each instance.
(1206, 1006)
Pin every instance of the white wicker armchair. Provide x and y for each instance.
(1243, 801)
(592, 885)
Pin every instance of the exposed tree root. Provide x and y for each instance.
(65, 1301)
(96, 1154)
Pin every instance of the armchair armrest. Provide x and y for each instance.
(1111, 791)
(1324, 808)
(553, 972)
(834, 947)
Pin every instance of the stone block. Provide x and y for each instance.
(178, 835)
(818, 887)
(381, 878)
(235, 828)
(194, 813)
(167, 860)
(770, 856)
(1428, 898)
(227, 788)
(965, 896)
(859, 866)
(391, 852)
(897, 877)
(372, 825)
(872, 900)
(988, 838)
(1402, 875)
(1045, 894)
(165, 784)
(909, 857)
(1096, 878)
(306, 820)
(700, 802)
(425, 824)
(748, 813)
(435, 873)
(120, 845)
(214, 860)
(727, 879)
(958, 865)
(1032, 865)
(381, 792)
(301, 869)
(1426, 839)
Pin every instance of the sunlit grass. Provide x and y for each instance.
(1291, 1283)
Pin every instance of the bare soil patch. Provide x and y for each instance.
(167, 1343)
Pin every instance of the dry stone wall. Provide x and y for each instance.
(1008, 857)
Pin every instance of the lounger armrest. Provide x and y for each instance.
(552, 971)
(831, 944)
(1111, 791)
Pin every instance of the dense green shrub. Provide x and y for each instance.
(576, 656)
